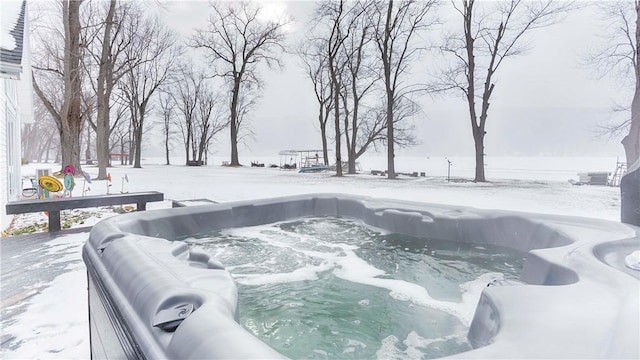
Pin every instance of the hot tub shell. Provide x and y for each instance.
(576, 300)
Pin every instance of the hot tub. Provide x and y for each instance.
(154, 296)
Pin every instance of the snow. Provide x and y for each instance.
(54, 322)
(8, 19)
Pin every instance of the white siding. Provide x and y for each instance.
(14, 105)
(25, 87)
(13, 153)
(10, 180)
(4, 184)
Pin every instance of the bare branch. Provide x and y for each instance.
(396, 27)
(617, 56)
(491, 32)
(236, 41)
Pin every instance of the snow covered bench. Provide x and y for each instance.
(54, 206)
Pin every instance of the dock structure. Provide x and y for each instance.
(301, 159)
(621, 169)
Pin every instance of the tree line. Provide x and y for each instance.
(101, 69)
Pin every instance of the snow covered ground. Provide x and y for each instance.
(51, 321)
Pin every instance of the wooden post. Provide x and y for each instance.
(54, 220)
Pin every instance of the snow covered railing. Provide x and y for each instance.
(54, 206)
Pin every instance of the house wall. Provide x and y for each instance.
(13, 137)
(4, 196)
(10, 181)
(16, 105)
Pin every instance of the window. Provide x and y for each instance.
(11, 151)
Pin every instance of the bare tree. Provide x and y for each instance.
(373, 126)
(618, 56)
(339, 58)
(185, 90)
(209, 122)
(167, 106)
(490, 35)
(38, 137)
(189, 96)
(59, 69)
(335, 15)
(87, 142)
(88, 112)
(120, 132)
(313, 56)
(105, 84)
(397, 24)
(153, 47)
(360, 76)
(108, 42)
(236, 41)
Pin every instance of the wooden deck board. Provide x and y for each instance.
(27, 268)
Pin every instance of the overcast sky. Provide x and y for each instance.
(545, 102)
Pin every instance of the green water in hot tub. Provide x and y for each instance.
(338, 289)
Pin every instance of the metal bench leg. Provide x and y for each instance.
(54, 220)
(142, 206)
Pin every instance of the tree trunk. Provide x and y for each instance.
(201, 153)
(166, 147)
(137, 139)
(137, 135)
(186, 145)
(189, 135)
(44, 149)
(336, 112)
(478, 136)
(234, 123)
(70, 115)
(323, 130)
(352, 161)
(202, 145)
(323, 134)
(132, 152)
(234, 141)
(479, 132)
(391, 167)
(46, 155)
(194, 148)
(338, 147)
(105, 84)
(87, 153)
(354, 130)
(325, 150)
(71, 148)
(102, 136)
(476, 130)
(347, 139)
(631, 141)
(121, 150)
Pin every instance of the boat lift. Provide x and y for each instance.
(305, 160)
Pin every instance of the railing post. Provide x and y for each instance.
(54, 220)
